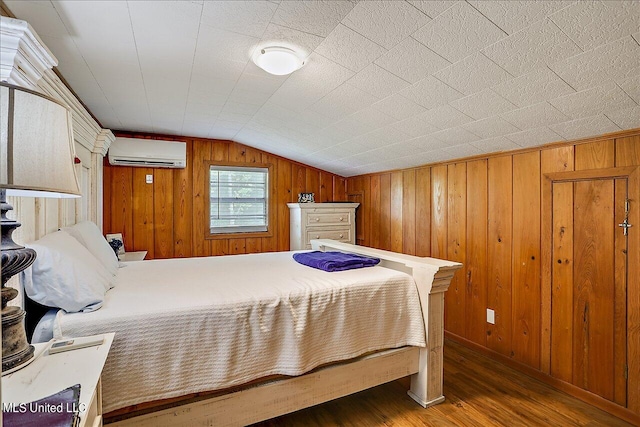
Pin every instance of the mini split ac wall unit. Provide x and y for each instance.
(149, 153)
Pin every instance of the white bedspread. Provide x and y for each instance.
(189, 325)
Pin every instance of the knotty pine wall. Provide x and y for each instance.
(486, 213)
(167, 218)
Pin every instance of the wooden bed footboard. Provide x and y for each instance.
(432, 277)
(279, 397)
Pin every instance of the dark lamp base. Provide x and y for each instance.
(15, 258)
(15, 348)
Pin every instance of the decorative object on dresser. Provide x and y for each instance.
(306, 197)
(36, 160)
(336, 221)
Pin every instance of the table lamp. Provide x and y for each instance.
(36, 160)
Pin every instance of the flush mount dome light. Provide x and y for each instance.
(278, 60)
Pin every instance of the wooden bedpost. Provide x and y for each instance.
(432, 277)
(426, 385)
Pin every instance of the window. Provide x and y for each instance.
(238, 199)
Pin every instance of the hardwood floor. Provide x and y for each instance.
(478, 391)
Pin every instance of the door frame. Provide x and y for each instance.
(632, 174)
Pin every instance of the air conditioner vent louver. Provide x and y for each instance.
(149, 153)
(159, 163)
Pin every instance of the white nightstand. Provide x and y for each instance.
(51, 373)
(133, 256)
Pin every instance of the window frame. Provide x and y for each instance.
(271, 217)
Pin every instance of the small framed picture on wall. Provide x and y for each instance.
(117, 243)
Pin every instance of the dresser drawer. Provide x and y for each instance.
(343, 235)
(329, 218)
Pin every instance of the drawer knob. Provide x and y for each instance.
(317, 219)
(341, 236)
(341, 219)
(317, 237)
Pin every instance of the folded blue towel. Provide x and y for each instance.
(334, 261)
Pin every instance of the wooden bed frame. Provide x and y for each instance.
(278, 397)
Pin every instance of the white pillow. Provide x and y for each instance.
(66, 275)
(89, 235)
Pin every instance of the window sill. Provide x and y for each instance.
(253, 234)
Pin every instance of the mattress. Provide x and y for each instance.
(189, 325)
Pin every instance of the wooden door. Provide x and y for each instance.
(589, 286)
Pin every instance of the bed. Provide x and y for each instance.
(307, 337)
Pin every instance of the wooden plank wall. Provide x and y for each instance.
(168, 218)
(486, 213)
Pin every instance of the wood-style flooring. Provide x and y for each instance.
(478, 391)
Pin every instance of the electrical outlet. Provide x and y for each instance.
(491, 316)
(149, 179)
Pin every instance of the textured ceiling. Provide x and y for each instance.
(387, 84)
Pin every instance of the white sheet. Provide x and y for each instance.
(43, 331)
(189, 325)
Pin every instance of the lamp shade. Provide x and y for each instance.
(36, 145)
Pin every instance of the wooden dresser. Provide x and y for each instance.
(336, 221)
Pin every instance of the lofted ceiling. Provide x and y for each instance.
(387, 84)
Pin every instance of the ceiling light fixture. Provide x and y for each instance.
(278, 60)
